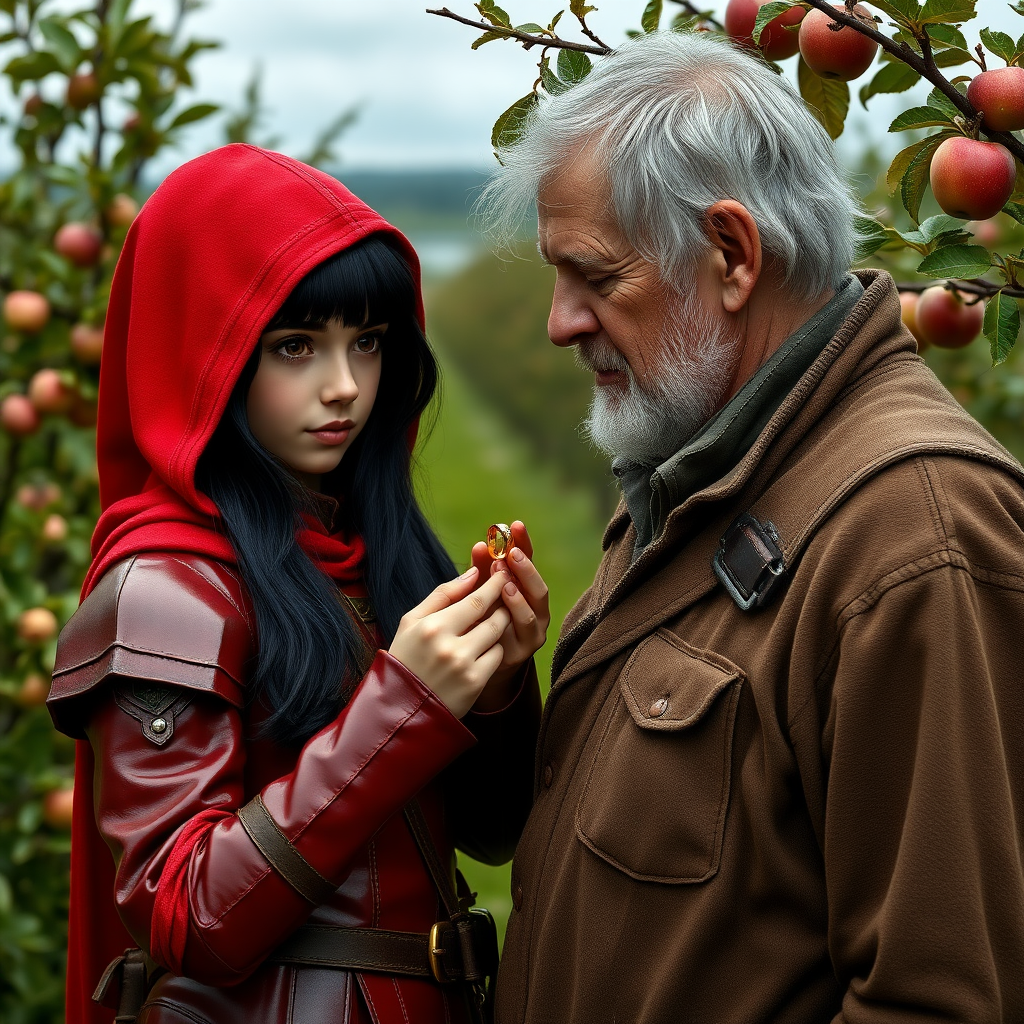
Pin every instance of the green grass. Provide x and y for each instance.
(473, 471)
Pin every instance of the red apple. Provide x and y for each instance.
(87, 343)
(36, 497)
(79, 243)
(48, 393)
(972, 179)
(26, 311)
(844, 54)
(999, 96)
(908, 314)
(132, 122)
(57, 807)
(37, 625)
(34, 691)
(33, 105)
(18, 416)
(55, 529)
(946, 320)
(986, 232)
(776, 42)
(83, 90)
(122, 210)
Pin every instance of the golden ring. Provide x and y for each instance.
(499, 540)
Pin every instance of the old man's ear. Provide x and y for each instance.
(736, 252)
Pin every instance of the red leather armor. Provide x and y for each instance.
(152, 669)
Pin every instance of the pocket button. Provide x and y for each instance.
(658, 708)
(549, 774)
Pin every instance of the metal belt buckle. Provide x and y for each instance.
(437, 950)
(749, 561)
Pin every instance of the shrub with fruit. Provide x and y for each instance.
(969, 157)
(99, 92)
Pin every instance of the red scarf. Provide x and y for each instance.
(211, 257)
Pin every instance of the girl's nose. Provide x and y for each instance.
(339, 385)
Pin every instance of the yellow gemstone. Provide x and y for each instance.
(499, 540)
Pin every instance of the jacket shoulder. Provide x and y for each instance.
(168, 618)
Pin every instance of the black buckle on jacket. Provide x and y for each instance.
(749, 561)
(464, 949)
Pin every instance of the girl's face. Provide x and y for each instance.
(313, 392)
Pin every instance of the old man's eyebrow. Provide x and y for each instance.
(581, 261)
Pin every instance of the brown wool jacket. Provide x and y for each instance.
(813, 811)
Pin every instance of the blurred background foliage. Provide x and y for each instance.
(99, 93)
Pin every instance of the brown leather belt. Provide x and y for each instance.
(461, 950)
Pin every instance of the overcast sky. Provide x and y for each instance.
(425, 98)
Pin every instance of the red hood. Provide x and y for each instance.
(208, 261)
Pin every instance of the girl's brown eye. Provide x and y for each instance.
(368, 344)
(293, 348)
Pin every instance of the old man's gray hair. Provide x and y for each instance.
(681, 121)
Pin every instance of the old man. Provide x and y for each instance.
(781, 771)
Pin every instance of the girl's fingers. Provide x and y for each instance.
(481, 560)
(521, 536)
(446, 594)
(461, 615)
(524, 618)
(529, 581)
(485, 635)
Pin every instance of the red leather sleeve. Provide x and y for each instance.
(191, 886)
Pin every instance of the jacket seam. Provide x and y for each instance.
(216, 586)
(869, 597)
(355, 772)
(930, 497)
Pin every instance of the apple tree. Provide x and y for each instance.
(947, 217)
(99, 93)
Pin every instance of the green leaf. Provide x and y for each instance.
(999, 43)
(64, 44)
(897, 77)
(920, 117)
(555, 20)
(573, 66)
(1016, 211)
(944, 103)
(530, 28)
(946, 35)
(192, 114)
(951, 57)
(951, 12)
(827, 98)
(963, 261)
(31, 67)
(915, 179)
(871, 236)
(510, 124)
(769, 12)
(580, 8)
(651, 18)
(940, 224)
(1017, 8)
(1001, 326)
(494, 14)
(903, 12)
(552, 84)
(487, 37)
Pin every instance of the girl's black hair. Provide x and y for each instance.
(309, 647)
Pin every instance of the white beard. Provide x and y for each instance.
(646, 423)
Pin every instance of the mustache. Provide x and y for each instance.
(598, 356)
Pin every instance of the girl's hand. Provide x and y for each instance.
(525, 594)
(451, 639)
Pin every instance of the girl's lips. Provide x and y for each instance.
(332, 436)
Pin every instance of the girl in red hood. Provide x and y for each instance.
(290, 712)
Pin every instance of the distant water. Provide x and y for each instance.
(443, 253)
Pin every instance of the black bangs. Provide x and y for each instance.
(363, 286)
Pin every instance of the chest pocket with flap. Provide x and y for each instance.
(655, 799)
